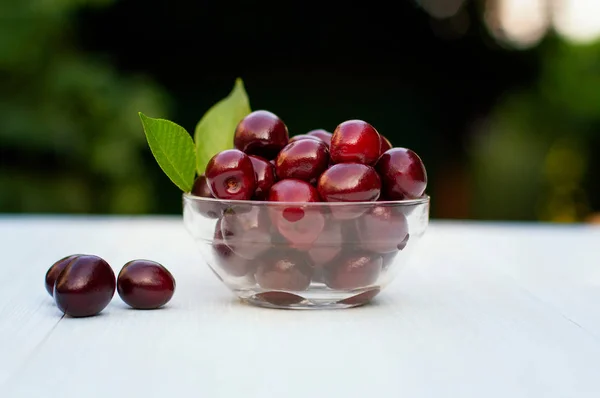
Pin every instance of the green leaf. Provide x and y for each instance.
(214, 132)
(173, 149)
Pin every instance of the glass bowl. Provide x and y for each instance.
(305, 255)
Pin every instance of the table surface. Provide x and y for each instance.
(482, 310)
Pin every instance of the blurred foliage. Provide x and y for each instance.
(530, 158)
(69, 138)
(71, 141)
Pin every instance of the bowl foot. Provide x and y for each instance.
(309, 300)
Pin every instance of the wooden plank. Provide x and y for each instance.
(468, 318)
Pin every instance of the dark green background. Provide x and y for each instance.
(504, 133)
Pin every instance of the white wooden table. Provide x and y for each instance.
(483, 310)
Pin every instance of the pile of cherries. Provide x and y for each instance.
(285, 247)
(83, 285)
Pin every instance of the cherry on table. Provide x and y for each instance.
(85, 286)
(145, 284)
(261, 133)
(230, 175)
(55, 270)
(355, 141)
(403, 174)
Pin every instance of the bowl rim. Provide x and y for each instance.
(424, 199)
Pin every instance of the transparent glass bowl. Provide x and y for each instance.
(305, 255)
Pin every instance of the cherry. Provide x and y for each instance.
(381, 229)
(201, 189)
(246, 230)
(226, 259)
(261, 133)
(303, 159)
(403, 174)
(349, 182)
(279, 298)
(328, 244)
(293, 190)
(85, 286)
(353, 270)
(145, 284)
(323, 135)
(385, 145)
(300, 226)
(284, 270)
(55, 270)
(230, 175)
(265, 176)
(355, 141)
(304, 137)
(361, 298)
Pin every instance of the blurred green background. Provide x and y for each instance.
(501, 98)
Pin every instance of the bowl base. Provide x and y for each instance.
(309, 300)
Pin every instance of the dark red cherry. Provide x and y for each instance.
(230, 175)
(145, 284)
(265, 177)
(361, 298)
(353, 270)
(293, 190)
(261, 133)
(385, 144)
(55, 270)
(85, 287)
(201, 189)
(246, 230)
(328, 244)
(284, 270)
(303, 159)
(381, 229)
(304, 137)
(226, 259)
(355, 141)
(301, 225)
(279, 298)
(403, 174)
(323, 135)
(349, 182)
